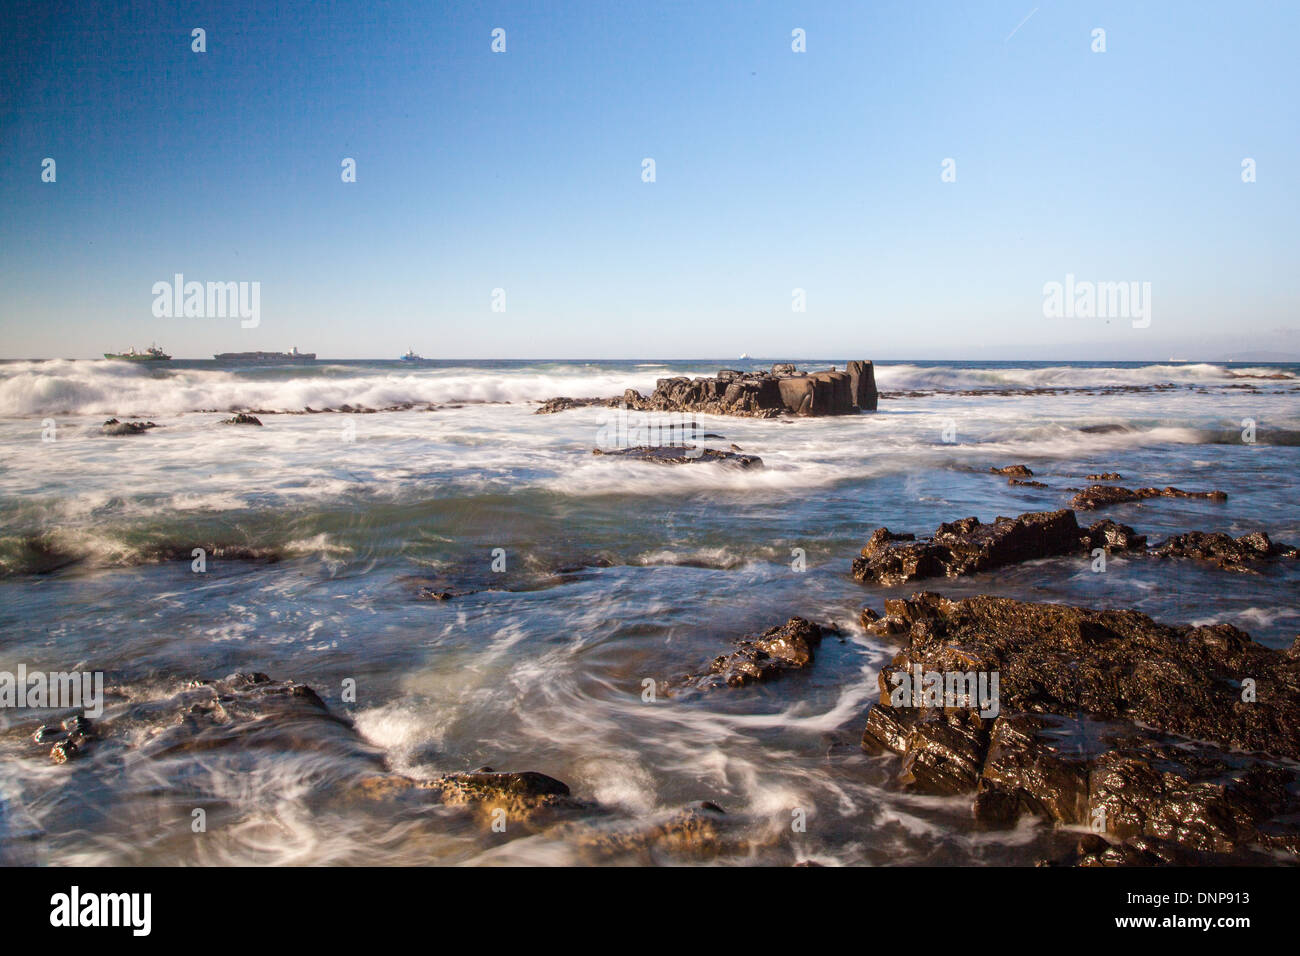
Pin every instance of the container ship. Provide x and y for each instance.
(291, 357)
(152, 354)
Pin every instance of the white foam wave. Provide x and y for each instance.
(116, 388)
(914, 376)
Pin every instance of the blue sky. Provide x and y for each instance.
(775, 170)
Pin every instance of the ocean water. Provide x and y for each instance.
(615, 571)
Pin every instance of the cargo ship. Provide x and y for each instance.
(152, 354)
(290, 357)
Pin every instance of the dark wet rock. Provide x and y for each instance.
(701, 831)
(35, 554)
(1093, 850)
(1113, 536)
(1103, 718)
(533, 572)
(682, 455)
(525, 798)
(246, 712)
(1026, 484)
(242, 419)
(1105, 476)
(212, 551)
(784, 391)
(777, 651)
(1096, 496)
(1232, 554)
(967, 546)
(525, 795)
(114, 427)
(66, 738)
(1113, 664)
(1013, 471)
(553, 405)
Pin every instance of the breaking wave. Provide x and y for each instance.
(65, 387)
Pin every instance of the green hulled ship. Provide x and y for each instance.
(152, 354)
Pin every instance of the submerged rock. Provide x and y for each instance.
(698, 832)
(114, 427)
(553, 405)
(1013, 471)
(778, 650)
(1101, 718)
(241, 419)
(69, 737)
(1095, 496)
(682, 455)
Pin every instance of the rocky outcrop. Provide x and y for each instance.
(1107, 719)
(782, 391)
(1013, 471)
(682, 455)
(777, 651)
(967, 546)
(114, 427)
(1096, 496)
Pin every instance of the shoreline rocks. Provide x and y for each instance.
(1107, 719)
(967, 546)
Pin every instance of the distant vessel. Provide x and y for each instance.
(410, 356)
(267, 358)
(744, 356)
(152, 354)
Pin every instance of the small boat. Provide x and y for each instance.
(410, 356)
(745, 357)
(152, 354)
